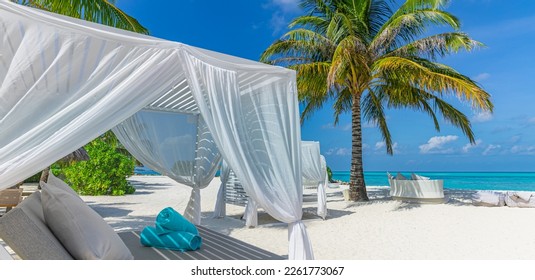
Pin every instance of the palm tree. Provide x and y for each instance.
(99, 11)
(368, 56)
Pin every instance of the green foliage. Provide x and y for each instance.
(99, 11)
(330, 174)
(33, 179)
(367, 53)
(369, 56)
(104, 174)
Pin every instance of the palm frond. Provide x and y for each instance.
(433, 77)
(343, 103)
(407, 27)
(99, 11)
(438, 45)
(314, 23)
(311, 80)
(296, 49)
(373, 111)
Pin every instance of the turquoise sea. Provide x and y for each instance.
(517, 181)
(509, 181)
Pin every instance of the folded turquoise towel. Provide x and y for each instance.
(176, 240)
(169, 220)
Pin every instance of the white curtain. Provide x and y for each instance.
(259, 123)
(176, 145)
(322, 192)
(220, 209)
(62, 87)
(251, 213)
(314, 171)
(64, 81)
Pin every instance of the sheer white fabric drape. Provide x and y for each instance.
(220, 209)
(260, 125)
(63, 82)
(322, 192)
(175, 145)
(61, 88)
(314, 172)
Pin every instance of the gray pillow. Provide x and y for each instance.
(55, 181)
(80, 229)
(24, 230)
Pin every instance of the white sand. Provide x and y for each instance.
(381, 229)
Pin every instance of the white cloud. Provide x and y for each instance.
(343, 152)
(515, 139)
(338, 152)
(327, 126)
(482, 117)
(346, 127)
(278, 22)
(469, 146)
(490, 148)
(523, 150)
(435, 145)
(380, 145)
(481, 77)
(287, 6)
(283, 11)
(368, 125)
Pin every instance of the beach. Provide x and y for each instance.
(380, 229)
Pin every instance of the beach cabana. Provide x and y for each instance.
(65, 81)
(314, 168)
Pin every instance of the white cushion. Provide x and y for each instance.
(418, 177)
(525, 196)
(80, 229)
(488, 198)
(400, 176)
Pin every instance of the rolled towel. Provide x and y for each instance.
(169, 220)
(176, 240)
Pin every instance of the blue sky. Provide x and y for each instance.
(504, 68)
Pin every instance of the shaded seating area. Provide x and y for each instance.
(33, 237)
(78, 80)
(216, 246)
(314, 173)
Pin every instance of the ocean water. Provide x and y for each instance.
(510, 181)
(142, 170)
(507, 181)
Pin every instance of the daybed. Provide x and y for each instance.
(25, 230)
(417, 189)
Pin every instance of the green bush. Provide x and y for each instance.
(104, 174)
(330, 174)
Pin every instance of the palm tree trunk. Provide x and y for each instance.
(44, 176)
(357, 186)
